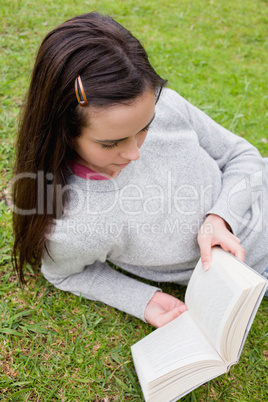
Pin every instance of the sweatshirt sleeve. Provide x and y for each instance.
(241, 165)
(65, 266)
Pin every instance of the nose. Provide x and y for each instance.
(131, 151)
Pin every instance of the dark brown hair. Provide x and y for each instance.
(114, 68)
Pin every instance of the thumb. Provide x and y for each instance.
(205, 251)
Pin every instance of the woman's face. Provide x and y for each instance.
(114, 135)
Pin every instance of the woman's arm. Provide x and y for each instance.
(238, 205)
(69, 271)
(241, 165)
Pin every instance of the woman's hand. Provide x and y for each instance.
(215, 231)
(163, 308)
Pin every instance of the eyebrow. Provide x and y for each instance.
(122, 139)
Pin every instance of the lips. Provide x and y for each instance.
(122, 164)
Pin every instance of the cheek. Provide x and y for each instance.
(141, 138)
(104, 155)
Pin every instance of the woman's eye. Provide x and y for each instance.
(146, 128)
(104, 146)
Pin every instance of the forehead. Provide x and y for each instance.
(120, 121)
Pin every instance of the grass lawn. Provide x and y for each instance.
(55, 346)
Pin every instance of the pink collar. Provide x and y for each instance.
(86, 173)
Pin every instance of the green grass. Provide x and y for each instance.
(55, 346)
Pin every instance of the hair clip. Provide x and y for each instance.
(78, 82)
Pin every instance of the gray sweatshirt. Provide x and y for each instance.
(146, 220)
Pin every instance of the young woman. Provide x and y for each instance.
(114, 168)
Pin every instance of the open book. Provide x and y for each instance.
(206, 340)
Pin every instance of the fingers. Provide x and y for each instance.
(215, 231)
(170, 315)
(232, 245)
(235, 248)
(240, 254)
(172, 302)
(165, 300)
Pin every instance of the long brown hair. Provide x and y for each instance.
(114, 68)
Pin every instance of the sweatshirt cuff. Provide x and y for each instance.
(224, 214)
(122, 292)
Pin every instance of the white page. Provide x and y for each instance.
(211, 296)
(170, 347)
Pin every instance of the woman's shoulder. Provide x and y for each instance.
(171, 96)
(171, 102)
(171, 112)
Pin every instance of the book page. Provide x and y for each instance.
(171, 347)
(215, 296)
